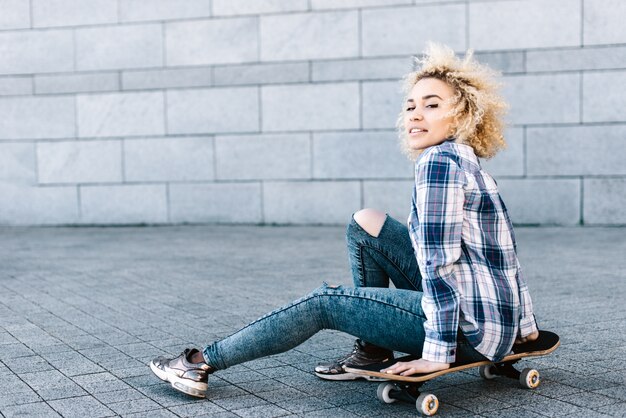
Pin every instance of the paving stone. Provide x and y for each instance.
(239, 402)
(615, 410)
(62, 392)
(589, 400)
(28, 364)
(18, 398)
(161, 413)
(14, 351)
(323, 413)
(616, 392)
(135, 405)
(11, 383)
(554, 407)
(100, 382)
(164, 395)
(39, 409)
(80, 407)
(262, 412)
(239, 377)
(282, 394)
(224, 391)
(117, 395)
(197, 408)
(514, 412)
(301, 405)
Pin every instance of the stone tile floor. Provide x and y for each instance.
(83, 310)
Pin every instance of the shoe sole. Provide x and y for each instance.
(182, 385)
(348, 376)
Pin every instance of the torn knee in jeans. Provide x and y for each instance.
(370, 220)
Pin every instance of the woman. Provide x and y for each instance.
(459, 295)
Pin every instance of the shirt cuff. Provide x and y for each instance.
(439, 351)
(527, 326)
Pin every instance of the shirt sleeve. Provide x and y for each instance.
(527, 321)
(436, 239)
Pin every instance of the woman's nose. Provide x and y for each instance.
(416, 116)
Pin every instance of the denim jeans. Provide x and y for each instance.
(389, 318)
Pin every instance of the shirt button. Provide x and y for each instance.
(428, 263)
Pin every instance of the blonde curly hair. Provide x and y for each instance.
(477, 107)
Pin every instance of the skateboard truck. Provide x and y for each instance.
(389, 392)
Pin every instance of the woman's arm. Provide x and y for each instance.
(436, 237)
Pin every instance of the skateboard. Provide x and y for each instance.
(407, 388)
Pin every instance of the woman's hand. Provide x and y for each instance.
(407, 368)
(528, 338)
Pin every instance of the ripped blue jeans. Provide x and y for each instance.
(387, 317)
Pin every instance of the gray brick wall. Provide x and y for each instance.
(283, 111)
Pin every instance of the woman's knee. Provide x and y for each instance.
(370, 220)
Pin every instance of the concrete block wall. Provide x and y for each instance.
(283, 111)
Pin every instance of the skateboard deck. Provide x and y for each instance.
(406, 388)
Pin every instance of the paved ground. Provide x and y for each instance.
(83, 310)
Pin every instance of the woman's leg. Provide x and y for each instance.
(389, 318)
(379, 249)
(377, 258)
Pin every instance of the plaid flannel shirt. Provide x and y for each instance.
(466, 251)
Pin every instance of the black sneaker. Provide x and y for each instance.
(363, 354)
(187, 377)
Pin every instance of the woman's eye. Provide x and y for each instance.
(408, 109)
(432, 106)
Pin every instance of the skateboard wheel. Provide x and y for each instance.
(382, 392)
(487, 372)
(529, 378)
(427, 404)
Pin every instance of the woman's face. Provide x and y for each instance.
(425, 120)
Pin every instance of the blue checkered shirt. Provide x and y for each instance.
(465, 248)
